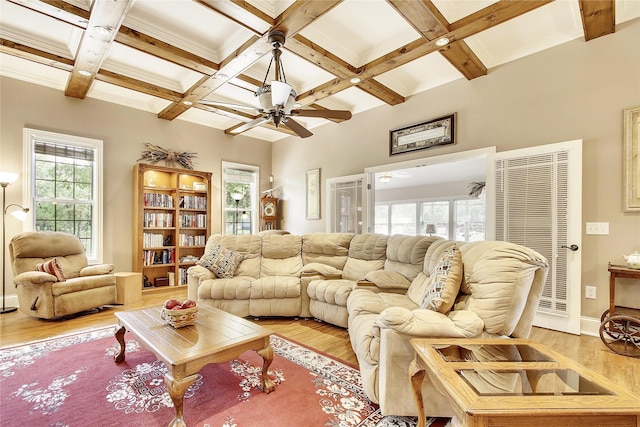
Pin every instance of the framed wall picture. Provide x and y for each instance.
(423, 135)
(631, 170)
(313, 193)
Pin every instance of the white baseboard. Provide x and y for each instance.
(11, 301)
(590, 326)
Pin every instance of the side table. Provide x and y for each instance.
(129, 287)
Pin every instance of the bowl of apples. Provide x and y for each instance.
(179, 314)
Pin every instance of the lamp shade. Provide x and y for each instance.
(237, 196)
(431, 228)
(8, 177)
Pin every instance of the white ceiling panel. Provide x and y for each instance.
(39, 74)
(189, 26)
(128, 98)
(545, 27)
(142, 66)
(358, 37)
(422, 74)
(42, 32)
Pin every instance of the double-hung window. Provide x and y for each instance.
(241, 198)
(65, 186)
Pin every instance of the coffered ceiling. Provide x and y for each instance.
(162, 56)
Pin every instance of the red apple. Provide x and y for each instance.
(171, 303)
(188, 303)
(177, 307)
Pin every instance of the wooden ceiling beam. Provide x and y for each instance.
(598, 18)
(107, 15)
(488, 17)
(428, 21)
(329, 62)
(460, 55)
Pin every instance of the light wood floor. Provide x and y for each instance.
(586, 350)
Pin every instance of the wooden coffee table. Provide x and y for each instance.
(216, 337)
(517, 382)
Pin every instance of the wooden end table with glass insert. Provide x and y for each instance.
(517, 382)
(216, 337)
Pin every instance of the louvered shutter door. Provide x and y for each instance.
(532, 210)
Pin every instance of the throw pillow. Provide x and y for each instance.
(444, 282)
(52, 267)
(221, 261)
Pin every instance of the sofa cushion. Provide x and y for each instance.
(366, 253)
(52, 267)
(281, 255)
(221, 261)
(405, 254)
(326, 248)
(444, 282)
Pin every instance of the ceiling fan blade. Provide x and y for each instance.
(297, 128)
(250, 125)
(227, 104)
(280, 92)
(327, 114)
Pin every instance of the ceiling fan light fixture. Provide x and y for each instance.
(385, 177)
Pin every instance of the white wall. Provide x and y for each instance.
(574, 91)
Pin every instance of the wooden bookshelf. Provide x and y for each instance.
(171, 222)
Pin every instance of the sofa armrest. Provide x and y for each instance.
(201, 273)
(319, 269)
(96, 270)
(429, 323)
(388, 281)
(29, 278)
(318, 276)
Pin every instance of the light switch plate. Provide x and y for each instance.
(598, 228)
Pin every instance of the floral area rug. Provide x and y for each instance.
(73, 381)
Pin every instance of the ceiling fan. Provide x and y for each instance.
(277, 98)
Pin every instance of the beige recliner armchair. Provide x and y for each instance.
(78, 287)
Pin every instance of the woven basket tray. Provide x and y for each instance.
(180, 318)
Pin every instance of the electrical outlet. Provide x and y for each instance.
(590, 292)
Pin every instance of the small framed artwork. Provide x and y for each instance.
(199, 186)
(313, 193)
(631, 170)
(423, 135)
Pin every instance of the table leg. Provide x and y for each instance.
(120, 337)
(267, 355)
(176, 389)
(416, 385)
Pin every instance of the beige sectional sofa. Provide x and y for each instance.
(385, 289)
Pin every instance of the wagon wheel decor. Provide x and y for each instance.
(621, 334)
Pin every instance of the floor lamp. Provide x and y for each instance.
(237, 197)
(7, 178)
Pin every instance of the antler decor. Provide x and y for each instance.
(153, 154)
